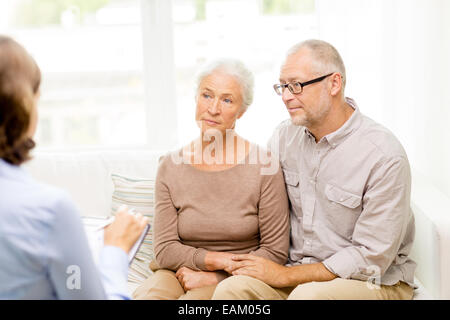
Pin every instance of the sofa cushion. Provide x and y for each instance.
(86, 175)
(137, 194)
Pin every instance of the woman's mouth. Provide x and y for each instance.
(210, 122)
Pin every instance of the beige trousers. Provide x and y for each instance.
(163, 285)
(247, 288)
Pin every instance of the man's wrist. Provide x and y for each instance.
(295, 275)
(288, 277)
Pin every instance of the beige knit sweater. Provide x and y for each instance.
(236, 210)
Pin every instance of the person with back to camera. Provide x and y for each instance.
(42, 238)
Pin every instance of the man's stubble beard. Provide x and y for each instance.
(312, 118)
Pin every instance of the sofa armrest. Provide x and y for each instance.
(431, 249)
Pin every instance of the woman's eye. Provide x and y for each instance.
(227, 100)
(206, 96)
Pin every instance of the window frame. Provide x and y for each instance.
(159, 83)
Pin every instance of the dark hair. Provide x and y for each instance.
(20, 79)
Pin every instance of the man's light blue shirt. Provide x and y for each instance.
(44, 253)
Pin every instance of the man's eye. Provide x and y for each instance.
(206, 96)
(227, 100)
(297, 84)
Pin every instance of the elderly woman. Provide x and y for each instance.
(42, 240)
(216, 202)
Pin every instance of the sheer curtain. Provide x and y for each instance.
(397, 58)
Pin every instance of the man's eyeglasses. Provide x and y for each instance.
(296, 87)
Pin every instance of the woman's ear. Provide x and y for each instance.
(241, 113)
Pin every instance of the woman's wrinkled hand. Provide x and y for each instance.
(190, 279)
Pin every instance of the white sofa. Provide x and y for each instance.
(86, 176)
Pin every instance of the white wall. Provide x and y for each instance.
(397, 58)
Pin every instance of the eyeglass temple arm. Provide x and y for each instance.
(315, 80)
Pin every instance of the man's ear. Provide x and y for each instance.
(336, 84)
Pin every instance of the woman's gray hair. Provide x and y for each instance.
(234, 68)
(326, 56)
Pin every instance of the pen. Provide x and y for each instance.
(111, 219)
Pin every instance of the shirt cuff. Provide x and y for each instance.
(342, 264)
(113, 265)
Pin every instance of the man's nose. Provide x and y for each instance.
(287, 95)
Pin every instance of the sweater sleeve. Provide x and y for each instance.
(273, 218)
(170, 252)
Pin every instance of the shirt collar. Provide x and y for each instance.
(338, 136)
(12, 171)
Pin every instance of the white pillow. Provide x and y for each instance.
(139, 194)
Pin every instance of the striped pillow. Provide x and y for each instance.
(138, 194)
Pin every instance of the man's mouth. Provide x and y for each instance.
(294, 109)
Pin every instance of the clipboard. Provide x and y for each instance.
(94, 228)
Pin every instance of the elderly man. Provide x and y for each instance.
(348, 181)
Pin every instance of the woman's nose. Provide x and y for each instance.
(214, 108)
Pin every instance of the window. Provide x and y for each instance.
(90, 54)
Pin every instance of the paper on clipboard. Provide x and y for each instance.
(95, 228)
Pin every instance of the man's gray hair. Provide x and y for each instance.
(327, 58)
(234, 68)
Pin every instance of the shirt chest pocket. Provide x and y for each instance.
(343, 209)
(292, 180)
(342, 197)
